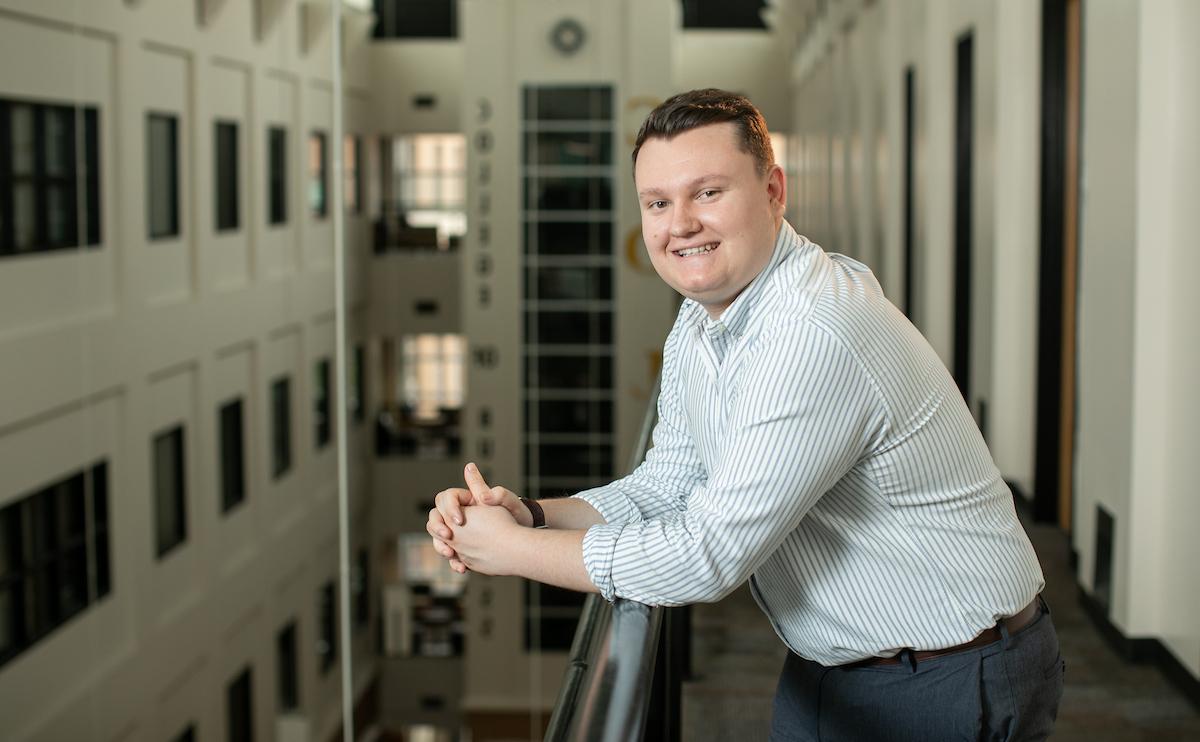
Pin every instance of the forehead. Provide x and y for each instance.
(713, 148)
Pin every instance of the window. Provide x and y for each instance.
(281, 426)
(226, 180)
(433, 373)
(170, 501)
(358, 401)
(352, 170)
(429, 180)
(569, 264)
(43, 181)
(318, 174)
(327, 623)
(322, 418)
(289, 676)
(277, 171)
(723, 14)
(233, 460)
(239, 707)
(401, 19)
(162, 175)
(362, 589)
(54, 557)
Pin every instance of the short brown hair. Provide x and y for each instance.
(696, 108)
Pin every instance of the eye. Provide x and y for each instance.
(656, 205)
(708, 193)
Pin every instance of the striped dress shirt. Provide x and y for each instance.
(810, 440)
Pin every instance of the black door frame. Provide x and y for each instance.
(964, 170)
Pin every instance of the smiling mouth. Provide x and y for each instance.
(698, 250)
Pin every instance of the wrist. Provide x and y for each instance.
(537, 516)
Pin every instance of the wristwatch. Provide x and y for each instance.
(539, 515)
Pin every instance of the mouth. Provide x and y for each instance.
(687, 252)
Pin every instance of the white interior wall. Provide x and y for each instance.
(1015, 265)
(1166, 402)
(1107, 262)
(753, 63)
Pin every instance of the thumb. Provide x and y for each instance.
(475, 482)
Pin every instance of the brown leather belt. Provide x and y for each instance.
(1012, 623)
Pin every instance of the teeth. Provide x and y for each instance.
(697, 250)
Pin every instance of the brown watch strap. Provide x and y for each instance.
(539, 515)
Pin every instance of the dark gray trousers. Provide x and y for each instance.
(1008, 690)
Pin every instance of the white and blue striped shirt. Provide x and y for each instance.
(812, 441)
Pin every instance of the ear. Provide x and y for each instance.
(777, 190)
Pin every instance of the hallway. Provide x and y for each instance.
(736, 659)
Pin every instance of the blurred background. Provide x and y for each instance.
(272, 271)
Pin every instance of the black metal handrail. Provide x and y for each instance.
(610, 681)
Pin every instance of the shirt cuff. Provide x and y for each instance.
(614, 506)
(599, 546)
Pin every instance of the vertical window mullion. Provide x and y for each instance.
(7, 233)
(39, 178)
(91, 150)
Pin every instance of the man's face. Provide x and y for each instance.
(709, 219)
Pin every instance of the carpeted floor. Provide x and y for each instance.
(736, 660)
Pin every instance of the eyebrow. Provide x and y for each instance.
(690, 185)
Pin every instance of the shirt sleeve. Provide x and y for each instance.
(805, 412)
(672, 467)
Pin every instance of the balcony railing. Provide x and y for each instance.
(626, 663)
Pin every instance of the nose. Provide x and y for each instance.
(683, 220)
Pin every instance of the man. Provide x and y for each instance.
(808, 440)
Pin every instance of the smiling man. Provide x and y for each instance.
(811, 442)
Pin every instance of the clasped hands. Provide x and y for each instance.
(470, 527)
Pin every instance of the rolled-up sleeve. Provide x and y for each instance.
(598, 545)
(805, 413)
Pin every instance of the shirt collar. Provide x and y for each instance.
(738, 314)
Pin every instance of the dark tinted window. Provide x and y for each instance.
(281, 427)
(568, 194)
(239, 708)
(289, 675)
(327, 625)
(46, 187)
(322, 409)
(569, 282)
(226, 181)
(50, 542)
(277, 173)
(233, 462)
(400, 19)
(744, 14)
(569, 238)
(569, 328)
(162, 175)
(170, 501)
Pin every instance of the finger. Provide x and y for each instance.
(444, 550)
(449, 503)
(475, 481)
(458, 566)
(437, 527)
